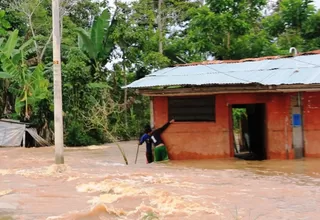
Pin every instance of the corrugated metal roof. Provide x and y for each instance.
(283, 71)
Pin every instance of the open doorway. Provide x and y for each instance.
(248, 130)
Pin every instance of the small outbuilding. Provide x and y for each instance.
(14, 133)
(281, 97)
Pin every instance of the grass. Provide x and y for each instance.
(150, 216)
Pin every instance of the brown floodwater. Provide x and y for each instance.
(95, 184)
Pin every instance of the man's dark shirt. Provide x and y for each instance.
(156, 134)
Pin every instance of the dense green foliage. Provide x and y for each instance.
(106, 48)
(237, 115)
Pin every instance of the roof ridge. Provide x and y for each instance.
(232, 71)
(313, 52)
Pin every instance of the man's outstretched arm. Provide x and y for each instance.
(164, 127)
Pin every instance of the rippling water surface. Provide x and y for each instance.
(95, 184)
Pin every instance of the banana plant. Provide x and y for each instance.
(98, 44)
(4, 24)
(28, 83)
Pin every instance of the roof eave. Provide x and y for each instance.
(192, 91)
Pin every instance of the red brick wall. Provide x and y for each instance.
(311, 111)
(195, 140)
(205, 140)
(279, 127)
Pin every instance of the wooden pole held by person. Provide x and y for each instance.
(137, 154)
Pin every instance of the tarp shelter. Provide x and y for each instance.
(13, 134)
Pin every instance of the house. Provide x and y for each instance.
(14, 133)
(281, 96)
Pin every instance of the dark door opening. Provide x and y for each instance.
(248, 127)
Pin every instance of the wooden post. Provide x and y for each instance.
(58, 118)
(151, 113)
(297, 126)
(24, 137)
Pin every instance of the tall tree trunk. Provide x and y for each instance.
(228, 41)
(160, 26)
(125, 93)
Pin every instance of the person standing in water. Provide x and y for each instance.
(146, 138)
(160, 150)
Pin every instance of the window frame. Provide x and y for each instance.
(209, 110)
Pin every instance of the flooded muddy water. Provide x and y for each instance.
(95, 184)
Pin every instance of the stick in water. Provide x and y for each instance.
(137, 154)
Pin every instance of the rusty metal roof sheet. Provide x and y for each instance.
(303, 69)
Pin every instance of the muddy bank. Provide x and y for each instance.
(95, 184)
